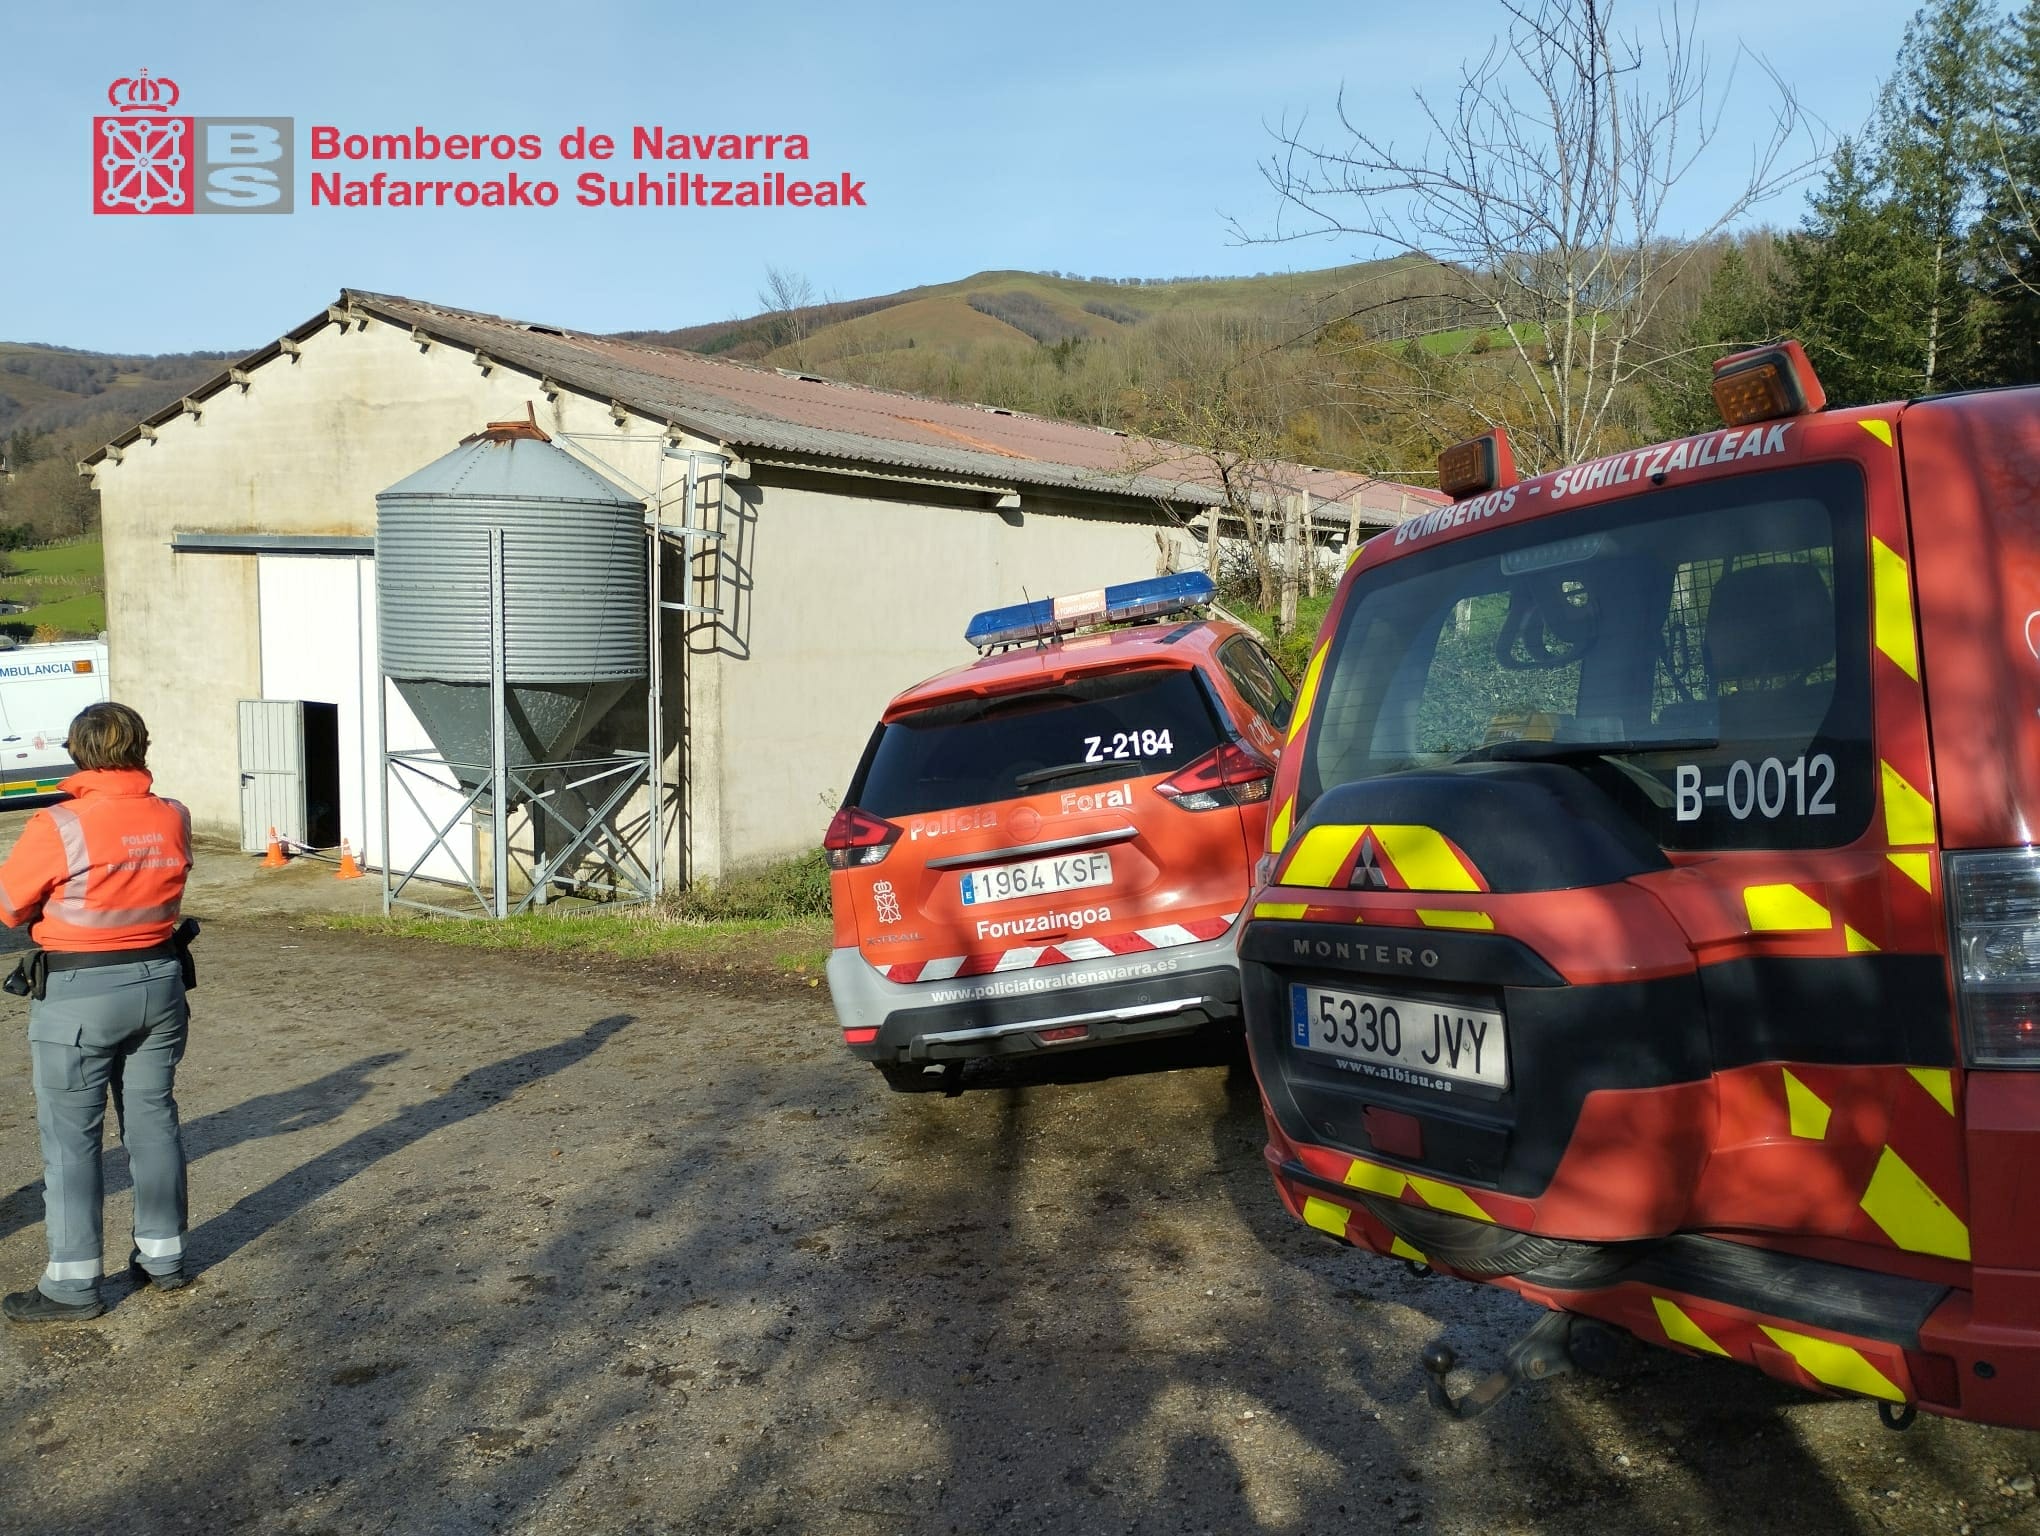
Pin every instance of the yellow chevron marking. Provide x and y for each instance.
(1447, 1197)
(1912, 1215)
(1306, 695)
(1916, 867)
(1784, 909)
(1424, 859)
(1908, 814)
(1855, 943)
(1681, 1329)
(1325, 1215)
(1835, 1365)
(1375, 1179)
(1438, 917)
(1806, 1109)
(1319, 855)
(1892, 583)
(1403, 1250)
(1881, 430)
(1278, 829)
(1938, 1082)
(1282, 909)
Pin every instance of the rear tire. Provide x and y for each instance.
(907, 1077)
(1484, 1251)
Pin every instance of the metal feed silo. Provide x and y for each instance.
(573, 596)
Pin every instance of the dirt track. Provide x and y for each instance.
(489, 1243)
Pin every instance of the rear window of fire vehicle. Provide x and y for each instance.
(1712, 639)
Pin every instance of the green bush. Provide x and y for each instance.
(792, 888)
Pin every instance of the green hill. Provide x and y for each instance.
(60, 391)
(1041, 307)
(1313, 366)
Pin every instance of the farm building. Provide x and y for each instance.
(835, 540)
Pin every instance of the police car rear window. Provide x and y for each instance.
(980, 751)
(1701, 654)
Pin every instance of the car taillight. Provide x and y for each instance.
(857, 837)
(1994, 899)
(1232, 774)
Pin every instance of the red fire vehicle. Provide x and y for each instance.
(1048, 849)
(1652, 918)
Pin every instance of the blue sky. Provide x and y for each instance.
(1102, 138)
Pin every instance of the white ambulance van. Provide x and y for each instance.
(41, 688)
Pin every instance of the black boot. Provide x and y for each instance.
(171, 1280)
(32, 1306)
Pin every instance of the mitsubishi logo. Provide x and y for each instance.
(1367, 874)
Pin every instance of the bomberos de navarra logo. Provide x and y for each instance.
(148, 159)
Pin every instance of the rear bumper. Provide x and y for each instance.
(1823, 1326)
(1122, 997)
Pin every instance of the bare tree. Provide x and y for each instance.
(788, 301)
(1208, 429)
(1541, 194)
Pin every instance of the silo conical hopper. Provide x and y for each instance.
(573, 595)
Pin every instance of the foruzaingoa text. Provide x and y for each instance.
(431, 156)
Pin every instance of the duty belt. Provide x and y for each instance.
(30, 977)
(92, 959)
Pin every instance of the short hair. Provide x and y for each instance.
(108, 736)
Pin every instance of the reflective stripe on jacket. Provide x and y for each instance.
(104, 871)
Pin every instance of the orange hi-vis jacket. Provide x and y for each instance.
(104, 871)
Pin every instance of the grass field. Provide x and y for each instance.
(64, 586)
(772, 918)
(1294, 652)
(792, 947)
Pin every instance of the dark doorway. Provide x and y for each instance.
(322, 774)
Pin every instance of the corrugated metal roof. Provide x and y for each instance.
(777, 411)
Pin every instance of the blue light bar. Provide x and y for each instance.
(1101, 605)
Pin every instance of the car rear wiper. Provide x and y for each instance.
(1111, 768)
(1568, 751)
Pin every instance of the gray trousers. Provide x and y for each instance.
(118, 1028)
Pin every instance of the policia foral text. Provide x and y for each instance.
(102, 878)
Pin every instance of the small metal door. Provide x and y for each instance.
(272, 771)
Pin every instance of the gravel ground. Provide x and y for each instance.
(489, 1242)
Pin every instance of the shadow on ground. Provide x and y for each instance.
(686, 1267)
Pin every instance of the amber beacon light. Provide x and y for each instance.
(1479, 465)
(1766, 383)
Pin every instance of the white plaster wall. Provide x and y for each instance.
(855, 598)
(852, 596)
(303, 449)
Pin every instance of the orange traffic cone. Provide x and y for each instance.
(274, 858)
(348, 870)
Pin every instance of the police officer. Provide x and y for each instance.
(102, 877)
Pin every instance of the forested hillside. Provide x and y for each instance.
(56, 406)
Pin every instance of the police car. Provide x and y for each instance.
(1048, 848)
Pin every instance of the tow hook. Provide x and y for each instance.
(1897, 1415)
(1545, 1352)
